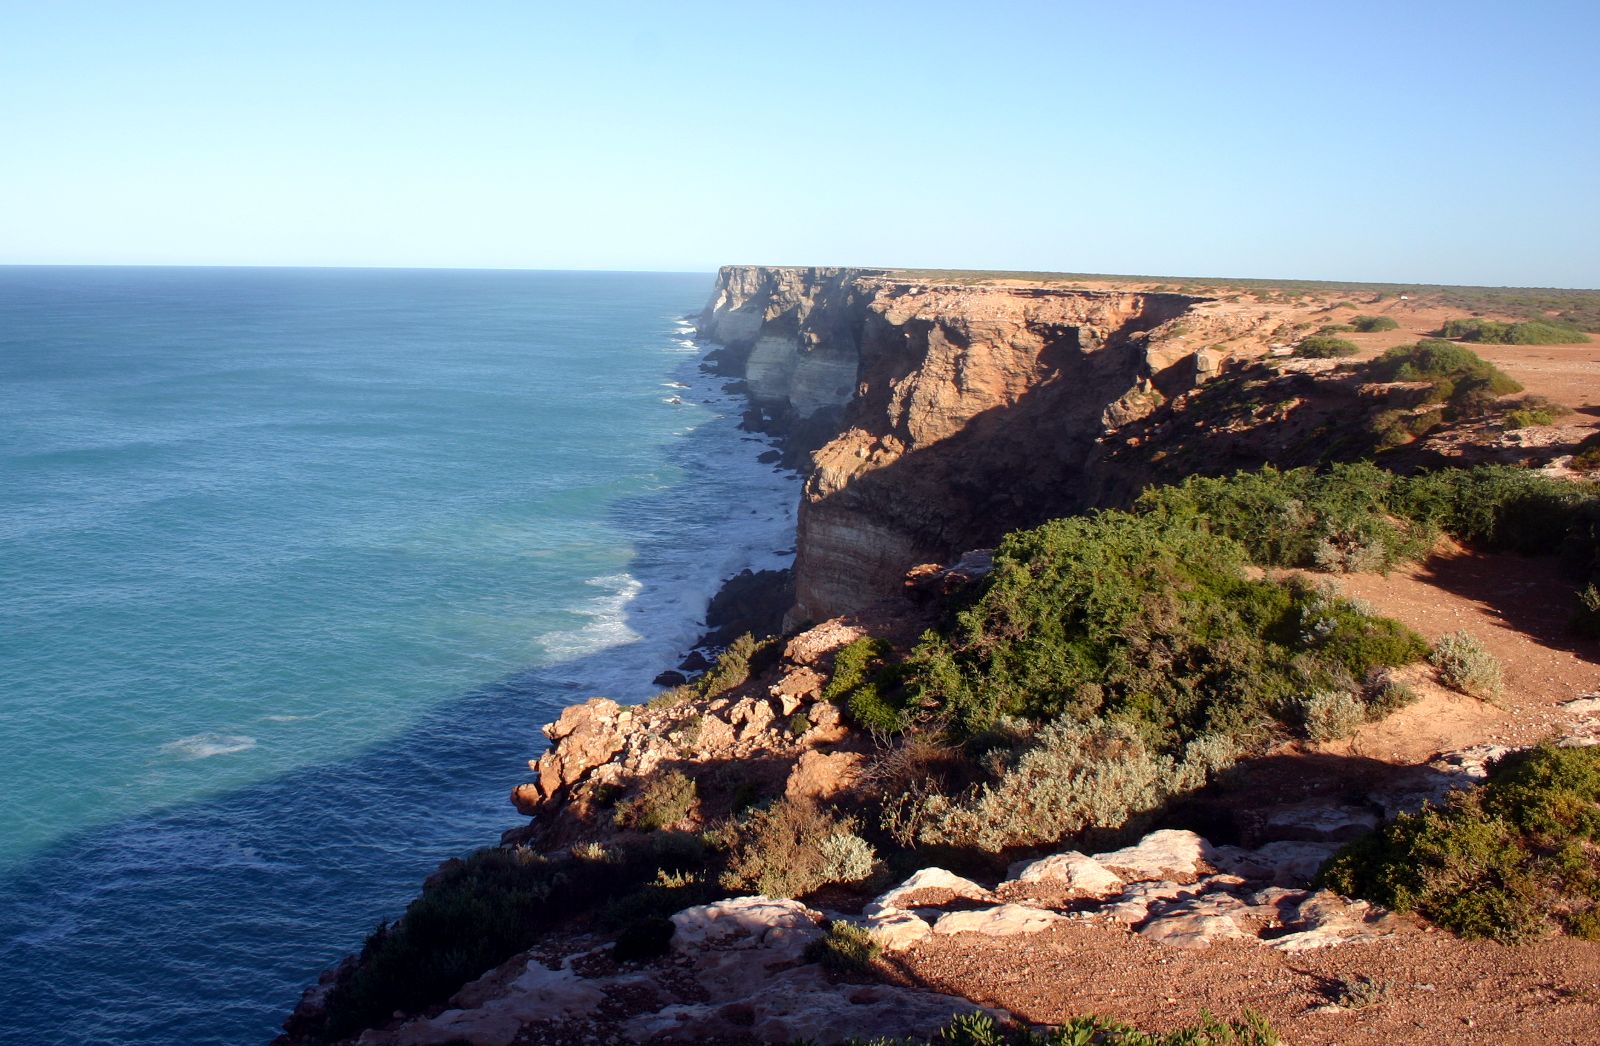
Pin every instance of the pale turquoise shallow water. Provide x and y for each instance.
(293, 563)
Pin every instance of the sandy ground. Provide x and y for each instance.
(1438, 989)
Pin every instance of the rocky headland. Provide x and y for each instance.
(932, 415)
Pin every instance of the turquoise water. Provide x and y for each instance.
(293, 563)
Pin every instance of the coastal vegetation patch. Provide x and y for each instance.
(1325, 346)
(1373, 324)
(1527, 332)
(1508, 860)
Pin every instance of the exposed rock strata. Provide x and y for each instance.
(942, 416)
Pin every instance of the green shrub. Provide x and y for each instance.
(1505, 860)
(1360, 992)
(1325, 346)
(1586, 614)
(664, 800)
(1336, 328)
(1071, 777)
(866, 684)
(474, 914)
(783, 850)
(1150, 619)
(1493, 506)
(845, 948)
(1329, 715)
(1281, 518)
(1534, 410)
(1388, 697)
(1586, 458)
(1455, 373)
(979, 1029)
(847, 858)
(1465, 665)
(1372, 324)
(672, 697)
(1529, 332)
(735, 664)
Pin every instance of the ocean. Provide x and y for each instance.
(293, 565)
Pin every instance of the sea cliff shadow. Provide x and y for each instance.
(202, 922)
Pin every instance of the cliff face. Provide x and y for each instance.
(942, 415)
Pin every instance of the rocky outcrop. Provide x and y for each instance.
(1172, 887)
(941, 416)
(738, 972)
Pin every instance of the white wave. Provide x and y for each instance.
(608, 623)
(204, 746)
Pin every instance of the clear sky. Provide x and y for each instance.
(1413, 142)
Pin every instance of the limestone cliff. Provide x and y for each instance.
(942, 415)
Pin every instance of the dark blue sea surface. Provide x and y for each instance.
(293, 564)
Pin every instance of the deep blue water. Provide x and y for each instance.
(293, 564)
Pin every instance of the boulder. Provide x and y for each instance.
(1167, 854)
(823, 775)
(926, 881)
(747, 922)
(586, 736)
(1083, 876)
(1004, 920)
(896, 930)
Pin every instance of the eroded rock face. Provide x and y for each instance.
(962, 411)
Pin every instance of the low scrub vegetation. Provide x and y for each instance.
(791, 848)
(1465, 665)
(1148, 619)
(1325, 346)
(979, 1029)
(1372, 324)
(664, 800)
(846, 948)
(1527, 332)
(1509, 860)
(1456, 376)
(1534, 410)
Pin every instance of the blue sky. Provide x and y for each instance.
(1399, 141)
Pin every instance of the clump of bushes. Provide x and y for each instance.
(1586, 458)
(1148, 619)
(1344, 516)
(792, 848)
(742, 657)
(864, 681)
(1465, 665)
(1068, 777)
(1329, 715)
(664, 800)
(1336, 328)
(1527, 332)
(1508, 860)
(1455, 374)
(979, 1029)
(1372, 324)
(1325, 346)
(845, 948)
(1534, 410)
(1389, 695)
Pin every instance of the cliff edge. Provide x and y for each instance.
(936, 416)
